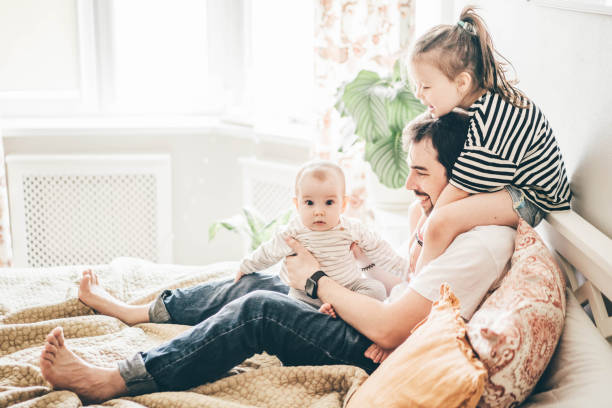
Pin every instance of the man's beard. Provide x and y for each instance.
(425, 201)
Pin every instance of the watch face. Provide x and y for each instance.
(309, 287)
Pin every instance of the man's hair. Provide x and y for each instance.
(320, 170)
(447, 134)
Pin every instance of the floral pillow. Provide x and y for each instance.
(434, 367)
(515, 331)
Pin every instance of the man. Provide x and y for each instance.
(234, 321)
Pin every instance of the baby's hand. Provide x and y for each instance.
(376, 353)
(239, 275)
(360, 256)
(328, 309)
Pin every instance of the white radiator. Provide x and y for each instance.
(268, 187)
(89, 209)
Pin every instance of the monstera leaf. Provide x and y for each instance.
(381, 108)
(388, 160)
(364, 100)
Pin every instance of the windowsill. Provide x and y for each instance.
(95, 126)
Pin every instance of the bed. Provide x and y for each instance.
(34, 301)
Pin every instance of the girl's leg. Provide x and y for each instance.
(447, 222)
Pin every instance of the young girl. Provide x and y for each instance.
(510, 166)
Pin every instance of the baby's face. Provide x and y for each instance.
(320, 202)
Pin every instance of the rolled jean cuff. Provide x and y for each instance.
(158, 312)
(137, 380)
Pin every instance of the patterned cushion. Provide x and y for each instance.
(516, 330)
(434, 367)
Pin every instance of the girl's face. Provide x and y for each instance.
(440, 94)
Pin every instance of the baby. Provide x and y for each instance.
(319, 225)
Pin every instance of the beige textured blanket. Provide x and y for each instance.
(34, 301)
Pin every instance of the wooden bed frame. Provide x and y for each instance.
(585, 255)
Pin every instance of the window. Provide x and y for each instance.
(157, 57)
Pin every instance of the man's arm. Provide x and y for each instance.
(387, 325)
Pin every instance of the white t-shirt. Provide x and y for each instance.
(473, 264)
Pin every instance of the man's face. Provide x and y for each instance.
(427, 176)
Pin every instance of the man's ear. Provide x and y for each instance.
(464, 82)
(295, 202)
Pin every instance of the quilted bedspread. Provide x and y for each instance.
(34, 301)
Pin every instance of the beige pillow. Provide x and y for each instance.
(515, 331)
(434, 367)
(580, 371)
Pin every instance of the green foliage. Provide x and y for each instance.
(251, 225)
(380, 108)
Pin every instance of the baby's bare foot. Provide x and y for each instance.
(328, 309)
(65, 370)
(95, 296)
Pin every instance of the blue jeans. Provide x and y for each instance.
(525, 208)
(233, 322)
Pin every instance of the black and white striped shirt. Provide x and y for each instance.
(507, 145)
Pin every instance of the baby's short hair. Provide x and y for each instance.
(319, 169)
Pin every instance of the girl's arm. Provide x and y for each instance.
(450, 194)
(445, 223)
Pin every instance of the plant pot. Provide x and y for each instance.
(387, 199)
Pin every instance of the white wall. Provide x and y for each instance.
(206, 175)
(564, 62)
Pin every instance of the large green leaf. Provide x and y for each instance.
(402, 109)
(388, 160)
(364, 99)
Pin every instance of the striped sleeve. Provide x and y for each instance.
(379, 251)
(508, 145)
(268, 253)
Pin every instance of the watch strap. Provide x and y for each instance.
(315, 281)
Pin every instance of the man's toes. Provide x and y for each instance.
(51, 339)
(86, 282)
(94, 278)
(46, 355)
(50, 348)
(58, 334)
(46, 361)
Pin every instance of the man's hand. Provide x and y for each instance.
(301, 265)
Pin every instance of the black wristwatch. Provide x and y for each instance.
(312, 284)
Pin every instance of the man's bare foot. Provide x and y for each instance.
(66, 371)
(328, 309)
(96, 297)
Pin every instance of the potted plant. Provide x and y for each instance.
(380, 108)
(250, 224)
